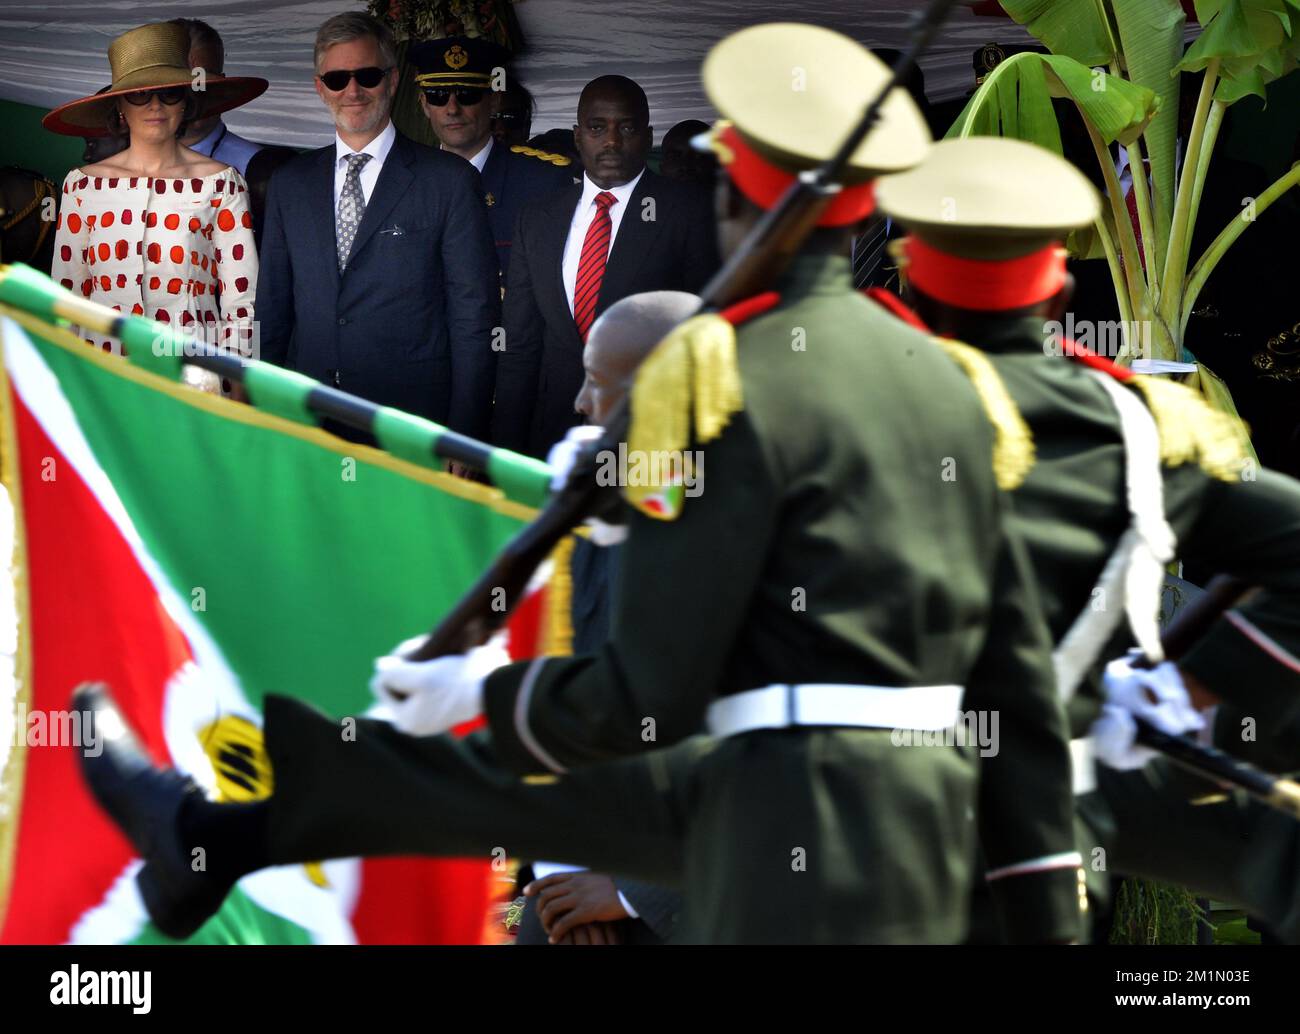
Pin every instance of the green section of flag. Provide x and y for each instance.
(304, 563)
(240, 921)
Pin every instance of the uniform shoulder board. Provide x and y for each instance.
(545, 156)
(691, 381)
(1013, 442)
(1193, 431)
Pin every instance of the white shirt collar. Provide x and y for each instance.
(378, 148)
(480, 160)
(590, 190)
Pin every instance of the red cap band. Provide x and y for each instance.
(985, 285)
(764, 183)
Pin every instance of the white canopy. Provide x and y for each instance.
(53, 51)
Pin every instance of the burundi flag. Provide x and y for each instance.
(196, 554)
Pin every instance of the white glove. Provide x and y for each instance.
(1156, 695)
(564, 453)
(437, 695)
(561, 458)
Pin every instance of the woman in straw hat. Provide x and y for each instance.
(157, 229)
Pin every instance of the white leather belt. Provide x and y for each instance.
(1083, 765)
(875, 707)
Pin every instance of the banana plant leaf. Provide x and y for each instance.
(1254, 41)
(1151, 40)
(1075, 28)
(1015, 101)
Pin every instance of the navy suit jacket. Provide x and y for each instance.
(539, 371)
(409, 322)
(513, 181)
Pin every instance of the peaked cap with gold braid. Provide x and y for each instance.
(457, 62)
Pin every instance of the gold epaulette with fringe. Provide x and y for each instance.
(545, 156)
(687, 389)
(1013, 443)
(1193, 431)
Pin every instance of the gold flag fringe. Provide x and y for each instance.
(557, 636)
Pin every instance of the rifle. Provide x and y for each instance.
(1209, 762)
(768, 248)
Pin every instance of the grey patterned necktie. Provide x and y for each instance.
(352, 206)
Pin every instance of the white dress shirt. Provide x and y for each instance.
(479, 160)
(378, 149)
(582, 216)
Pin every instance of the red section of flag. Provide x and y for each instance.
(421, 901)
(68, 854)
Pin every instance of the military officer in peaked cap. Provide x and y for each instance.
(1127, 473)
(461, 79)
(808, 628)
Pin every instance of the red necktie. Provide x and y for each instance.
(591, 266)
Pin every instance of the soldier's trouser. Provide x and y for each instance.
(1236, 850)
(776, 837)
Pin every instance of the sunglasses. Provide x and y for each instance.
(171, 95)
(439, 97)
(367, 78)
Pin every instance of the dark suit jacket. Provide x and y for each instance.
(539, 371)
(513, 181)
(409, 322)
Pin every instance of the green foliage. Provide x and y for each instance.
(1254, 41)
(1015, 101)
(1075, 28)
(1131, 95)
(1154, 913)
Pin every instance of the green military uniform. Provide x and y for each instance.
(849, 534)
(1007, 199)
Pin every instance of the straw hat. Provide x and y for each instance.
(150, 57)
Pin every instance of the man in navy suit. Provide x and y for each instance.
(378, 274)
(622, 231)
(462, 80)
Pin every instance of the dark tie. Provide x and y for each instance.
(591, 266)
(352, 206)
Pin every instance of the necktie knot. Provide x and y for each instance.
(604, 199)
(355, 162)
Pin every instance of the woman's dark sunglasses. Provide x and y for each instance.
(367, 78)
(439, 97)
(171, 95)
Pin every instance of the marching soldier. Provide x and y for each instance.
(1113, 492)
(827, 606)
(461, 80)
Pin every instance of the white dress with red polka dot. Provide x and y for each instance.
(179, 251)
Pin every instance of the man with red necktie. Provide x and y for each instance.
(622, 231)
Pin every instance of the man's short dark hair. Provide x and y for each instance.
(204, 37)
(514, 88)
(618, 86)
